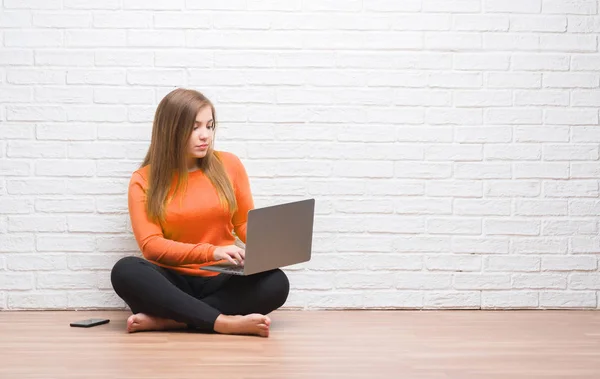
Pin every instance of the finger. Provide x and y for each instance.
(230, 260)
(242, 253)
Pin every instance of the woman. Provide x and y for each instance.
(185, 202)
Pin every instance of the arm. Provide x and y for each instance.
(245, 202)
(150, 238)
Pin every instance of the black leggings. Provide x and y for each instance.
(195, 300)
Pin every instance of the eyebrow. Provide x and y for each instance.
(199, 122)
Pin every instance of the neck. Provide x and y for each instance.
(192, 164)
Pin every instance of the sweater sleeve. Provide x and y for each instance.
(149, 235)
(243, 197)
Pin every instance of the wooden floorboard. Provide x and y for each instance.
(311, 344)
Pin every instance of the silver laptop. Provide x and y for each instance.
(276, 236)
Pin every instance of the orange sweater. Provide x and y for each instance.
(195, 222)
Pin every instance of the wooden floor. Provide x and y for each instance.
(333, 344)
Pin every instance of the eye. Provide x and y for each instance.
(211, 126)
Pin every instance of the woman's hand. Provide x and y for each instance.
(230, 253)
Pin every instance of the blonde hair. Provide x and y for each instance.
(167, 155)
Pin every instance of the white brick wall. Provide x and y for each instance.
(452, 145)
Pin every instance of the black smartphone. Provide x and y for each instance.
(90, 322)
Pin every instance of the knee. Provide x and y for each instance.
(123, 270)
(279, 287)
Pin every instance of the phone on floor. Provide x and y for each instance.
(90, 322)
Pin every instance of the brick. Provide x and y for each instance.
(511, 42)
(97, 224)
(118, 58)
(96, 76)
(423, 206)
(14, 168)
(453, 263)
(583, 281)
(160, 5)
(37, 300)
(62, 20)
(423, 281)
(424, 61)
(571, 188)
(513, 116)
(35, 186)
(512, 263)
(453, 41)
(585, 62)
(586, 134)
(571, 117)
(364, 281)
(483, 98)
(539, 281)
(425, 134)
(35, 113)
(482, 23)
(531, 170)
(544, 97)
(512, 6)
(542, 133)
(94, 300)
(573, 263)
(36, 223)
(541, 207)
(123, 96)
(393, 299)
(583, 207)
(16, 57)
(511, 227)
(119, 20)
(395, 224)
(17, 242)
(454, 226)
(570, 6)
(92, 4)
(460, 300)
(481, 61)
(482, 170)
(35, 76)
(455, 80)
(60, 132)
(32, 4)
(310, 281)
(99, 113)
(406, 97)
(567, 299)
(96, 38)
(364, 169)
(544, 245)
(416, 170)
(454, 188)
(341, 187)
(513, 80)
(519, 23)
(585, 245)
(111, 204)
(392, 262)
(437, 244)
(33, 38)
(16, 281)
(65, 280)
(418, 21)
(509, 299)
(73, 205)
(583, 24)
(571, 227)
(473, 281)
(63, 95)
(41, 262)
(15, 19)
(378, 206)
(570, 80)
(567, 42)
(156, 38)
(585, 98)
(513, 152)
(480, 207)
(15, 205)
(487, 134)
(589, 170)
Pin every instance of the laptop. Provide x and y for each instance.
(276, 236)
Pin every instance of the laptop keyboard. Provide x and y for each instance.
(232, 269)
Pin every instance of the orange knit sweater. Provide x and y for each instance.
(195, 222)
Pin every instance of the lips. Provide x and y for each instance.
(205, 146)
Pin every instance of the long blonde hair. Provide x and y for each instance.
(167, 155)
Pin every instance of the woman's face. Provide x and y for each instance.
(202, 134)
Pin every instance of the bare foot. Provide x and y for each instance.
(141, 321)
(255, 324)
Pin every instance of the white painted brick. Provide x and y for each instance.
(570, 227)
(567, 42)
(585, 170)
(64, 205)
(22, 149)
(62, 20)
(35, 186)
(258, 22)
(392, 262)
(221, 5)
(364, 280)
(512, 6)
(423, 61)
(543, 97)
(123, 96)
(585, 245)
(37, 300)
(570, 6)
(126, 244)
(453, 263)
(65, 168)
(280, 187)
(111, 204)
(542, 134)
(418, 170)
(154, 4)
(423, 281)
(453, 41)
(96, 224)
(379, 299)
(36, 224)
(35, 76)
(461, 299)
(364, 243)
(95, 38)
(418, 21)
(541, 207)
(481, 61)
(189, 59)
(65, 280)
(517, 152)
(512, 263)
(539, 281)
(364, 206)
(15, 19)
(543, 245)
(449, 225)
(425, 134)
(364, 169)
(438, 98)
(585, 98)
(17, 242)
(16, 281)
(158, 38)
(571, 188)
(511, 227)
(472, 281)
(35, 113)
(120, 20)
(62, 132)
(15, 95)
(395, 224)
(113, 168)
(584, 24)
(573, 263)
(585, 62)
(158, 77)
(571, 117)
(262, 39)
(14, 57)
(570, 299)
(119, 58)
(63, 95)
(142, 113)
(411, 244)
(570, 80)
(584, 207)
(11, 167)
(482, 23)
(511, 42)
(91, 4)
(583, 281)
(519, 23)
(423, 206)
(32, 4)
(513, 116)
(587, 134)
(94, 300)
(339, 187)
(454, 188)
(92, 261)
(33, 38)
(532, 170)
(482, 170)
(100, 113)
(509, 299)
(488, 134)
(15, 205)
(311, 280)
(305, 59)
(513, 80)
(450, 6)
(481, 207)
(455, 80)
(98, 76)
(487, 98)
(188, 20)
(284, 113)
(41, 262)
